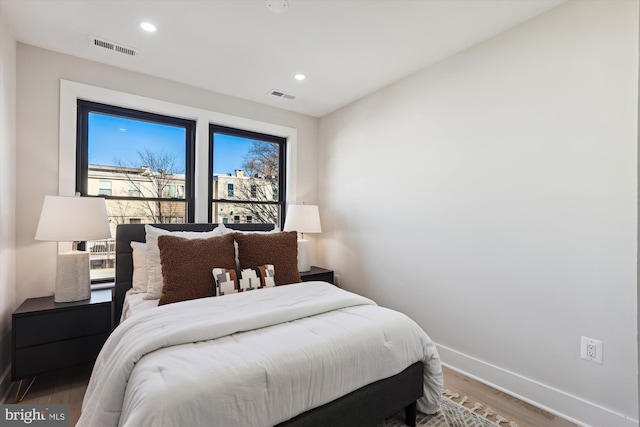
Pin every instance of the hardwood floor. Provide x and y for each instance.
(68, 387)
(514, 410)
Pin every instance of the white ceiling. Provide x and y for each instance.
(347, 48)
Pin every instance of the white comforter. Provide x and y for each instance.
(252, 359)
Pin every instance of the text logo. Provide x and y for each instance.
(34, 415)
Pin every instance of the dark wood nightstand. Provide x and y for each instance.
(47, 335)
(317, 273)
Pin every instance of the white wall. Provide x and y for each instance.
(7, 197)
(38, 125)
(492, 197)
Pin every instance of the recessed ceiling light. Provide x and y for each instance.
(300, 77)
(277, 6)
(148, 26)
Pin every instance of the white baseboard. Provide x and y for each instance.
(565, 405)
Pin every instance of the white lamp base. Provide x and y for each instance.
(304, 264)
(73, 282)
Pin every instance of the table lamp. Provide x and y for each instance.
(73, 219)
(303, 219)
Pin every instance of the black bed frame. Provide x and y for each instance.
(361, 408)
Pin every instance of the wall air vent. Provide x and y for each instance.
(116, 47)
(281, 94)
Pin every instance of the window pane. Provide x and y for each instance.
(141, 162)
(170, 190)
(245, 213)
(134, 190)
(247, 168)
(102, 258)
(138, 158)
(104, 188)
(247, 176)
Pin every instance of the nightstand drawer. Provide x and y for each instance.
(51, 326)
(42, 358)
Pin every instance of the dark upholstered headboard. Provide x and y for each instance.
(127, 233)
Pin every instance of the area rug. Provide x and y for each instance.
(453, 413)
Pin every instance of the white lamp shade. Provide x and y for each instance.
(303, 219)
(73, 219)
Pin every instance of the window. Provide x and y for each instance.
(251, 168)
(104, 188)
(134, 191)
(171, 191)
(141, 163)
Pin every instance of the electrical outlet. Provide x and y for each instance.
(591, 350)
(336, 279)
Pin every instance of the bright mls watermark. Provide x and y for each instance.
(34, 415)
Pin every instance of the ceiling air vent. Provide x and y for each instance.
(116, 47)
(281, 94)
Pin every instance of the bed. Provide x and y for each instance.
(281, 355)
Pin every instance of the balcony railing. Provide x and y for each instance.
(102, 249)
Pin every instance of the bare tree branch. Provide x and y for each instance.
(261, 165)
(152, 176)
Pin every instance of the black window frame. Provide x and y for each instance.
(282, 168)
(85, 107)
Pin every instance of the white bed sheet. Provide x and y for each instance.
(136, 303)
(253, 359)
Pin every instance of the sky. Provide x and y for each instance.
(117, 138)
(229, 152)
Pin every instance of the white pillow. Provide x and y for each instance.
(154, 268)
(140, 277)
(224, 230)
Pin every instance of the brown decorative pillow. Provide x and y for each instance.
(278, 249)
(187, 264)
